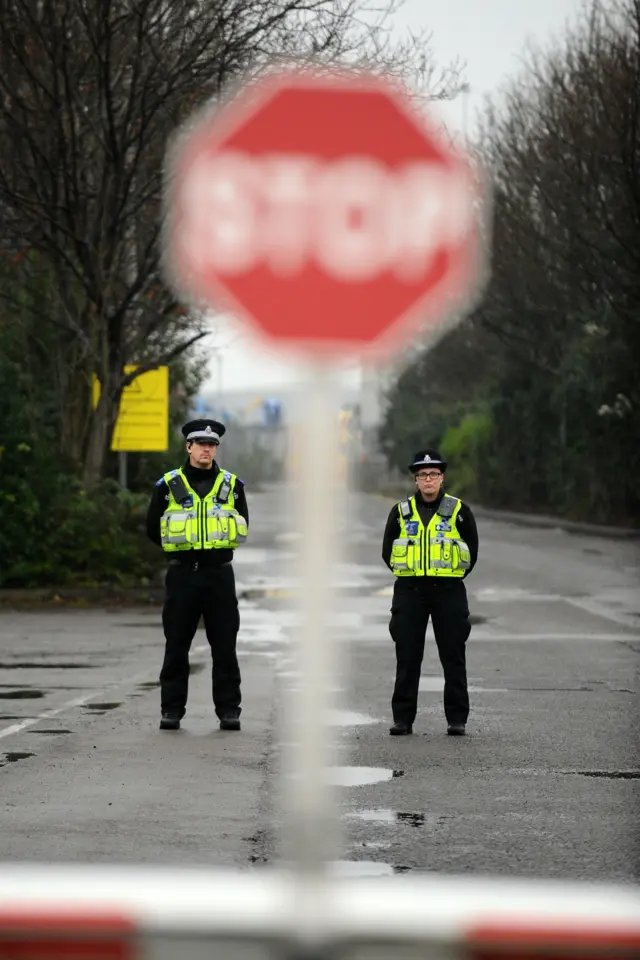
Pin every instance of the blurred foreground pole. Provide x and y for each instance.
(310, 821)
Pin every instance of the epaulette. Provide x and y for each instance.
(172, 473)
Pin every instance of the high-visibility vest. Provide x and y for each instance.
(194, 523)
(433, 551)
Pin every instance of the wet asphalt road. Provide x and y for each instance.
(545, 784)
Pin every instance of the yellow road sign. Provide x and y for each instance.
(143, 418)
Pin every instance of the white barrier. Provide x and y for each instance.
(160, 913)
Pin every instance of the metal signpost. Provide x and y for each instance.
(324, 211)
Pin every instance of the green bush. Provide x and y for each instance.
(467, 447)
(52, 531)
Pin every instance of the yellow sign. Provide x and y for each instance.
(143, 418)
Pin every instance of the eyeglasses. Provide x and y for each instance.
(432, 475)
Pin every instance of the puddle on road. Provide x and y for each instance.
(50, 732)
(510, 594)
(361, 868)
(46, 666)
(361, 776)
(101, 706)
(266, 593)
(258, 556)
(394, 817)
(605, 774)
(149, 685)
(21, 695)
(278, 590)
(366, 868)
(348, 718)
(14, 757)
(436, 685)
(412, 819)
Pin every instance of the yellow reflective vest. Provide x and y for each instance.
(433, 551)
(210, 523)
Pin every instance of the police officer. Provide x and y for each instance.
(198, 514)
(430, 544)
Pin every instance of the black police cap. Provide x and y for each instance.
(204, 431)
(427, 458)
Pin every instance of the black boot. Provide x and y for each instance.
(400, 729)
(456, 730)
(230, 723)
(170, 721)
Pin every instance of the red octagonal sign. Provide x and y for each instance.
(324, 210)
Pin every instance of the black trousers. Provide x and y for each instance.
(446, 603)
(192, 591)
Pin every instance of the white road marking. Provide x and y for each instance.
(553, 637)
(598, 606)
(71, 704)
(86, 698)
(47, 715)
(598, 609)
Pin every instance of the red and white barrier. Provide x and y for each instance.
(139, 913)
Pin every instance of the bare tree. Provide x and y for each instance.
(563, 304)
(90, 91)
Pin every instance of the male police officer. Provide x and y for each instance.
(430, 544)
(199, 515)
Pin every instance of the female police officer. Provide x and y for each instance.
(430, 544)
(198, 514)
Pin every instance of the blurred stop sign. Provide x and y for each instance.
(322, 209)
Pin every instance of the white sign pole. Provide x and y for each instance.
(311, 822)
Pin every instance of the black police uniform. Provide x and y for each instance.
(199, 583)
(444, 599)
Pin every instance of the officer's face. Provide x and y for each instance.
(429, 482)
(201, 454)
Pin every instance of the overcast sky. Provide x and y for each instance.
(490, 36)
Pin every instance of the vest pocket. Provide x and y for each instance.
(179, 526)
(461, 555)
(241, 530)
(405, 554)
(217, 524)
(237, 527)
(439, 553)
(450, 554)
(225, 526)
